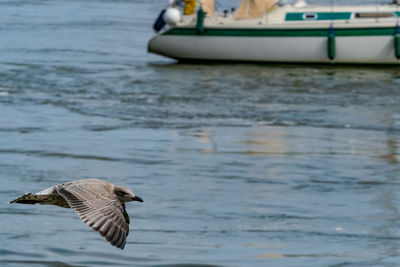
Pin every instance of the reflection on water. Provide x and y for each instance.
(240, 165)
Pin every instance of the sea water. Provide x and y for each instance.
(238, 164)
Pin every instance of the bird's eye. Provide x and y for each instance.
(121, 193)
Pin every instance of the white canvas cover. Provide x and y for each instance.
(253, 8)
(208, 6)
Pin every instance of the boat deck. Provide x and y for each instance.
(313, 16)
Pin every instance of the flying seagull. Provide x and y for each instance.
(99, 204)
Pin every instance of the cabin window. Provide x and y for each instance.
(310, 16)
(373, 15)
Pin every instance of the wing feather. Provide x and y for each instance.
(98, 208)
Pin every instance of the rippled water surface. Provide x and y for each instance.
(239, 165)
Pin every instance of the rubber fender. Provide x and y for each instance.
(200, 20)
(331, 47)
(397, 45)
(331, 43)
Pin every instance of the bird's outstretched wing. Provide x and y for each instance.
(99, 208)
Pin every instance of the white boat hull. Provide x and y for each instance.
(357, 49)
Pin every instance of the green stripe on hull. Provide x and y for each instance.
(317, 16)
(390, 31)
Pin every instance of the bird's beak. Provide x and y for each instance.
(136, 198)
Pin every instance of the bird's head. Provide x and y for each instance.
(125, 194)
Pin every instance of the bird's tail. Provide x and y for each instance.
(27, 198)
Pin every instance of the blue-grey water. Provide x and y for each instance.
(238, 165)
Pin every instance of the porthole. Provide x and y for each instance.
(310, 16)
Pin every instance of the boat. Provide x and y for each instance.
(272, 31)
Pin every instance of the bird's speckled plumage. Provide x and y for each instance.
(99, 204)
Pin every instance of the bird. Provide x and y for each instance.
(99, 204)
